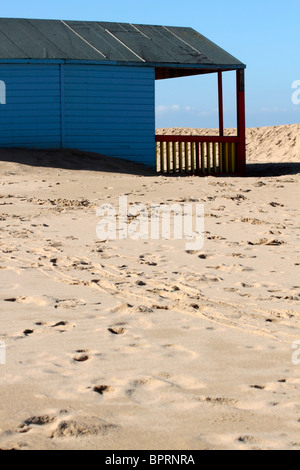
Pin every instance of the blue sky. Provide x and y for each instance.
(264, 34)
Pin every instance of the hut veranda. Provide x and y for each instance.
(91, 86)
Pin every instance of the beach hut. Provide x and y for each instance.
(91, 86)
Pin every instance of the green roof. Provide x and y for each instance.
(160, 46)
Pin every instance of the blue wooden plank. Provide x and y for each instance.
(30, 121)
(118, 142)
(110, 76)
(31, 114)
(119, 94)
(109, 120)
(94, 108)
(84, 103)
(102, 126)
(28, 109)
(126, 69)
(34, 144)
(31, 99)
(25, 133)
(113, 136)
(106, 90)
(106, 130)
(27, 70)
(28, 128)
(110, 149)
(113, 80)
(23, 87)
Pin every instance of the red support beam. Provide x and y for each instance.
(241, 121)
(221, 112)
(197, 138)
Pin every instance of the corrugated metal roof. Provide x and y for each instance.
(117, 42)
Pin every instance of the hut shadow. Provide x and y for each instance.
(71, 159)
(272, 169)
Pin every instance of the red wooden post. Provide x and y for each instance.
(221, 114)
(241, 121)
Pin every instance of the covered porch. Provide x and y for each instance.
(206, 155)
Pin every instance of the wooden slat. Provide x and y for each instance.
(193, 166)
(226, 159)
(169, 157)
(174, 157)
(180, 157)
(233, 157)
(202, 158)
(162, 157)
(187, 147)
(221, 157)
(208, 158)
(197, 158)
(215, 157)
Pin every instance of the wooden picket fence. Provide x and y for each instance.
(198, 155)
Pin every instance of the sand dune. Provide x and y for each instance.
(129, 344)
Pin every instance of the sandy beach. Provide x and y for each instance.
(141, 344)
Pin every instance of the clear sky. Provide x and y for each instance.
(264, 34)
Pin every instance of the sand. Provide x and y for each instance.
(139, 344)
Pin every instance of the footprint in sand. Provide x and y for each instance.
(43, 420)
(248, 440)
(44, 327)
(246, 286)
(62, 326)
(82, 356)
(61, 323)
(195, 306)
(258, 387)
(265, 241)
(220, 401)
(117, 330)
(69, 303)
(28, 332)
(103, 389)
(27, 300)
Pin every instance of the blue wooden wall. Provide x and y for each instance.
(107, 109)
(31, 115)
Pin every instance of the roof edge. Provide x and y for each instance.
(125, 63)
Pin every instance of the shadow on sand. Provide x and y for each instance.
(73, 160)
(79, 160)
(273, 169)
